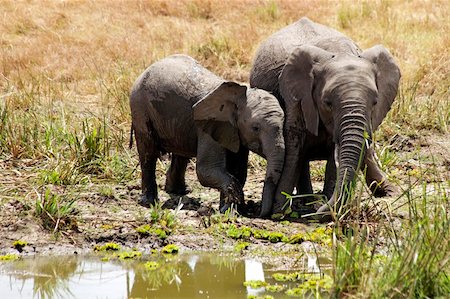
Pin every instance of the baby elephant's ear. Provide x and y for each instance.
(216, 114)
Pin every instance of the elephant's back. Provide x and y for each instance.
(178, 75)
(165, 93)
(272, 54)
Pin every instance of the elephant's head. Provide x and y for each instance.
(234, 115)
(350, 94)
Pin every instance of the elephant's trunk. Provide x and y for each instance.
(275, 161)
(353, 127)
(287, 179)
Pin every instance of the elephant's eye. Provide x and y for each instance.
(255, 128)
(328, 104)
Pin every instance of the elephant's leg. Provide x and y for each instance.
(237, 164)
(375, 178)
(148, 154)
(294, 140)
(237, 167)
(330, 177)
(304, 185)
(212, 171)
(175, 181)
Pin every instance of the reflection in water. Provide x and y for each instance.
(184, 276)
(254, 271)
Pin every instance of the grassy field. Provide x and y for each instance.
(66, 69)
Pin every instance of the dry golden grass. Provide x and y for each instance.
(91, 51)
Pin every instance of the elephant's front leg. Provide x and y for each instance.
(330, 177)
(237, 167)
(175, 176)
(212, 171)
(375, 178)
(237, 164)
(304, 185)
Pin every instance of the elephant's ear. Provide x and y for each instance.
(297, 78)
(216, 114)
(387, 79)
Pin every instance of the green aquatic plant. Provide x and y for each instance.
(240, 246)
(147, 230)
(275, 237)
(314, 284)
(282, 277)
(259, 297)
(19, 245)
(170, 249)
(274, 288)
(254, 284)
(320, 235)
(9, 257)
(127, 255)
(234, 232)
(311, 284)
(152, 266)
(107, 247)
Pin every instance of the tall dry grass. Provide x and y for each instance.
(90, 52)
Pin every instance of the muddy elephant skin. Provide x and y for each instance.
(334, 95)
(180, 107)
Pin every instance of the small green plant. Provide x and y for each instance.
(275, 288)
(127, 255)
(313, 284)
(152, 266)
(241, 246)
(107, 247)
(259, 297)
(147, 230)
(9, 257)
(55, 212)
(275, 237)
(238, 233)
(170, 249)
(255, 284)
(19, 245)
(282, 277)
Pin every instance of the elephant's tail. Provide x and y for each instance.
(131, 136)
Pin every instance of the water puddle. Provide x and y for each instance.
(180, 276)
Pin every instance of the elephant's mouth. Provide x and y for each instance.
(256, 148)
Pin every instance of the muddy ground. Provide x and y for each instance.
(114, 217)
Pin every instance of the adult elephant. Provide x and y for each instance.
(334, 95)
(178, 106)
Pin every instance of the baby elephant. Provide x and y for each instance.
(178, 106)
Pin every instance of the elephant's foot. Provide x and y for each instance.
(280, 205)
(148, 199)
(383, 188)
(178, 189)
(323, 214)
(375, 177)
(232, 195)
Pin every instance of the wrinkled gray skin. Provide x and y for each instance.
(332, 92)
(180, 107)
